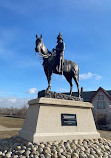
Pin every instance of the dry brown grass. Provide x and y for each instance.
(11, 122)
(105, 134)
(7, 134)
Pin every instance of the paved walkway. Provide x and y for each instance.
(2, 128)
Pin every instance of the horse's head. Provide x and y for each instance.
(40, 47)
(39, 43)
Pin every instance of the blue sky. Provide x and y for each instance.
(86, 29)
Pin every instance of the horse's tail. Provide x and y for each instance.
(77, 73)
(76, 76)
(75, 69)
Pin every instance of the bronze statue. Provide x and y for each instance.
(60, 53)
(53, 60)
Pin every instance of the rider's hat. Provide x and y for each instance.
(59, 37)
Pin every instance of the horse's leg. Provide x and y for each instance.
(48, 73)
(49, 81)
(71, 86)
(77, 83)
(69, 79)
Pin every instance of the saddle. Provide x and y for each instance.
(66, 67)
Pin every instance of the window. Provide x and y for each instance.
(100, 97)
(101, 105)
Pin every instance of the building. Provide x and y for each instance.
(101, 100)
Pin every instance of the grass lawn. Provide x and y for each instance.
(105, 134)
(11, 122)
(7, 134)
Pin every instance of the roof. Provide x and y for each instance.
(88, 95)
(85, 95)
(104, 91)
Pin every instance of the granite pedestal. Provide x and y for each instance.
(43, 120)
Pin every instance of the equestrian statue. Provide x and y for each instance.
(53, 62)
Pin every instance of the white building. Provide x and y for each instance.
(101, 100)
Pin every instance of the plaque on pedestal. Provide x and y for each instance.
(68, 120)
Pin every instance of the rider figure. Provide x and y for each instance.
(60, 53)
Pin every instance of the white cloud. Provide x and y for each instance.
(13, 102)
(89, 75)
(98, 77)
(32, 91)
(85, 76)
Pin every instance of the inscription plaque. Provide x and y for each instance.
(68, 120)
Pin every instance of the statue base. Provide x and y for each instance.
(50, 94)
(50, 119)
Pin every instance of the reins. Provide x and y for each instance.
(44, 55)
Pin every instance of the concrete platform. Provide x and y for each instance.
(43, 120)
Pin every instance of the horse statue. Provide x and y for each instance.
(70, 68)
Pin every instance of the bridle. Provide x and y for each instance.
(41, 48)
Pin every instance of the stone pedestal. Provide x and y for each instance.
(43, 120)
